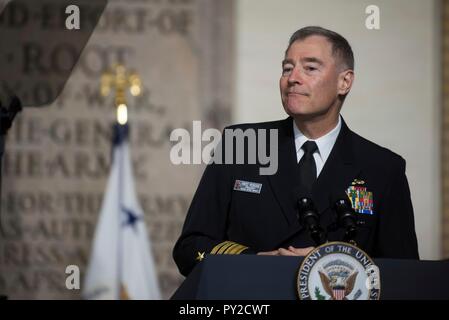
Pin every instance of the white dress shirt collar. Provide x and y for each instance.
(324, 143)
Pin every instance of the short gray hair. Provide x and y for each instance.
(340, 46)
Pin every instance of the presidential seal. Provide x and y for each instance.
(338, 271)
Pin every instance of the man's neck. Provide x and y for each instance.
(316, 127)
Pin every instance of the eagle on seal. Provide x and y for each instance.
(336, 286)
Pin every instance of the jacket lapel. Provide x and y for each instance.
(338, 171)
(285, 181)
(337, 174)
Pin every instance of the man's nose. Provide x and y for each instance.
(296, 76)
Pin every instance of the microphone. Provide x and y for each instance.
(308, 217)
(346, 218)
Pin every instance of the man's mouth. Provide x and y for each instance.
(297, 93)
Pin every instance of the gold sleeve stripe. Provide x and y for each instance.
(232, 248)
(235, 249)
(225, 247)
(218, 246)
(222, 248)
(228, 247)
(240, 251)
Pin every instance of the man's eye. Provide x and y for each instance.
(286, 71)
(309, 68)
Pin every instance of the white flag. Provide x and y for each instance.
(121, 263)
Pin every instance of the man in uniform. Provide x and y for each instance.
(236, 210)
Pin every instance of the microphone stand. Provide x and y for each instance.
(346, 219)
(308, 216)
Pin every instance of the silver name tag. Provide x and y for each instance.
(247, 186)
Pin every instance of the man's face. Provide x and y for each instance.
(310, 78)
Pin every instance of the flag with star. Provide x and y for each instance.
(121, 264)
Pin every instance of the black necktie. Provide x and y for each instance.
(307, 166)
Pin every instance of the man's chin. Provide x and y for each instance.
(299, 111)
(304, 116)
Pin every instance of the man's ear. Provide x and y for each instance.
(345, 80)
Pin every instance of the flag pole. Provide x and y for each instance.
(121, 263)
(119, 79)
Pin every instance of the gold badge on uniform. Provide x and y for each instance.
(357, 182)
